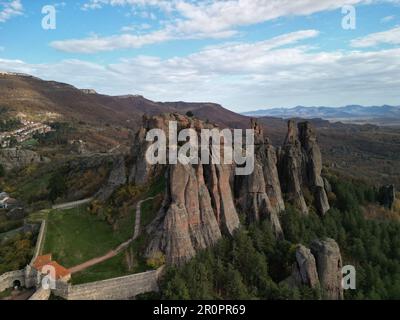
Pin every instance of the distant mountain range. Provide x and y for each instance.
(352, 113)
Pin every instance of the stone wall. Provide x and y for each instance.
(7, 279)
(41, 294)
(40, 241)
(122, 288)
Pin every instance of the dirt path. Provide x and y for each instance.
(120, 248)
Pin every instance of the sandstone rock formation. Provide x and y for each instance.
(259, 194)
(304, 270)
(329, 265)
(187, 222)
(300, 166)
(202, 202)
(319, 268)
(313, 166)
(290, 169)
(198, 205)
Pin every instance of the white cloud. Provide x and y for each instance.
(391, 36)
(387, 19)
(242, 75)
(213, 19)
(10, 9)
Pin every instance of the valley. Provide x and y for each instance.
(220, 236)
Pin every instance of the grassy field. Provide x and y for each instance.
(115, 267)
(6, 293)
(74, 236)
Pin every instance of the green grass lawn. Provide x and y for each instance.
(118, 266)
(30, 143)
(75, 236)
(6, 293)
(112, 268)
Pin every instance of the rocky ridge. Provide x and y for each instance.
(203, 202)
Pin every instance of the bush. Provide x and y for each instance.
(156, 261)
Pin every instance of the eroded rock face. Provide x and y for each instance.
(17, 158)
(259, 195)
(313, 166)
(305, 269)
(198, 206)
(186, 222)
(202, 201)
(300, 166)
(290, 169)
(329, 266)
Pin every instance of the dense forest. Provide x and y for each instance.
(9, 125)
(15, 253)
(253, 265)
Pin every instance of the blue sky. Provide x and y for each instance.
(244, 54)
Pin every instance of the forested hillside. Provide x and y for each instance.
(254, 265)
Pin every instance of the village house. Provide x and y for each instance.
(6, 202)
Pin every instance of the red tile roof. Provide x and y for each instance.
(46, 260)
(41, 261)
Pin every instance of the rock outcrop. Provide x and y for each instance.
(313, 166)
(329, 265)
(300, 166)
(290, 169)
(259, 194)
(199, 203)
(187, 222)
(17, 158)
(203, 201)
(304, 270)
(319, 268)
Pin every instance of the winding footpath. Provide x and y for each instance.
(120, 248)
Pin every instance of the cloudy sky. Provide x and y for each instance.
(244, 54)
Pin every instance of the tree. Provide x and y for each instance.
(13, 142)
(190, 114)
(57, 187)
(2, 171)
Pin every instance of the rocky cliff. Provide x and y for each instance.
(329, 265)
(203, 202)
(259, 195)
(300, 166)
(199, 203)
(319, 268)
(17, 158)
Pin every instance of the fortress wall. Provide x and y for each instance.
(40, 241)
(7, 279)
(122, 288)
(41, 294)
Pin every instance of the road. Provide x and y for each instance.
(120, 248)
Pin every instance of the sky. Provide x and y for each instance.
(243, 54)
